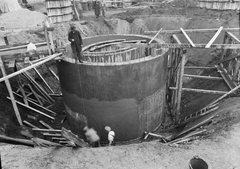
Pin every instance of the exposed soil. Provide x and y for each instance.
(220, 146)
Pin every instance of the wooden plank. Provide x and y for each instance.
(24, 95)
(11, 63)
(74, 138)
(203, 77)
(200, 90)
(45, 125)
(226, 77)
(35, 94)
(21, 47)
(31, 108)
(16, 141)
(231, 57)
(229, 34)
(54, 74)
(47, 130)
(214, 37)
(30, 67)
(180, 83)
(198, 67)
(50, 111)
(176, 39)
(9, 88)
(187, 37)
(155, 36)
(44, 81)
(29, 124)
(52, 135)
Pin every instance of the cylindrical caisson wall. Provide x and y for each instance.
(127, 96)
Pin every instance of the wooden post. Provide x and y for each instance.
(10, 93)
(49, 33)
(179, 92)
(46, 36)
(75, 10)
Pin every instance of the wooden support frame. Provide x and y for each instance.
(45, 125)
(24, 95)
(10, 93)
(29, 124)
(35, 94)
(229, 34)
(199, 67)
(187, 37)
(47, 130)
(214, 37)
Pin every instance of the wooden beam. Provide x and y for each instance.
(229, 34)
(180, 83)
(24, 95)
(203, 77)
(155, 36)
(200, 45)
(200, 90)
(46, 130)
(54, 74)
(45, 125)
(35, 94)
(44, 81)
(31, 108)
(214, 38)
(176, 39)
(52, 135)
(22, 47)
(193, 30)
(29, 124)
(231, 57)
(16, 141)
(187, 37)
(30, 67)
(226, 77)
(9, 88)
(198, 67)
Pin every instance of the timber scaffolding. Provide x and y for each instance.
(228, 68)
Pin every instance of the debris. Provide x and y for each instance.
(73, 138)
(29, 124)
(44, 143)
(32, 117)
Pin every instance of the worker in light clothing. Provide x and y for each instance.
(31, 48)
(75, 38)
(111, 135)
(92, 137)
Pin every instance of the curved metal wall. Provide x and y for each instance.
(129, 98)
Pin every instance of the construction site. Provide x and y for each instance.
(163, 74)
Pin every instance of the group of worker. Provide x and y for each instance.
(99, 6)
(93, 138)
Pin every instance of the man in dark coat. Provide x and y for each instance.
(75, 38)
(97, 8)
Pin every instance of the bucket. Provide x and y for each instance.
(198, 163)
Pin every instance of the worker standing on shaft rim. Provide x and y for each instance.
(75, 38)
(111, 135)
